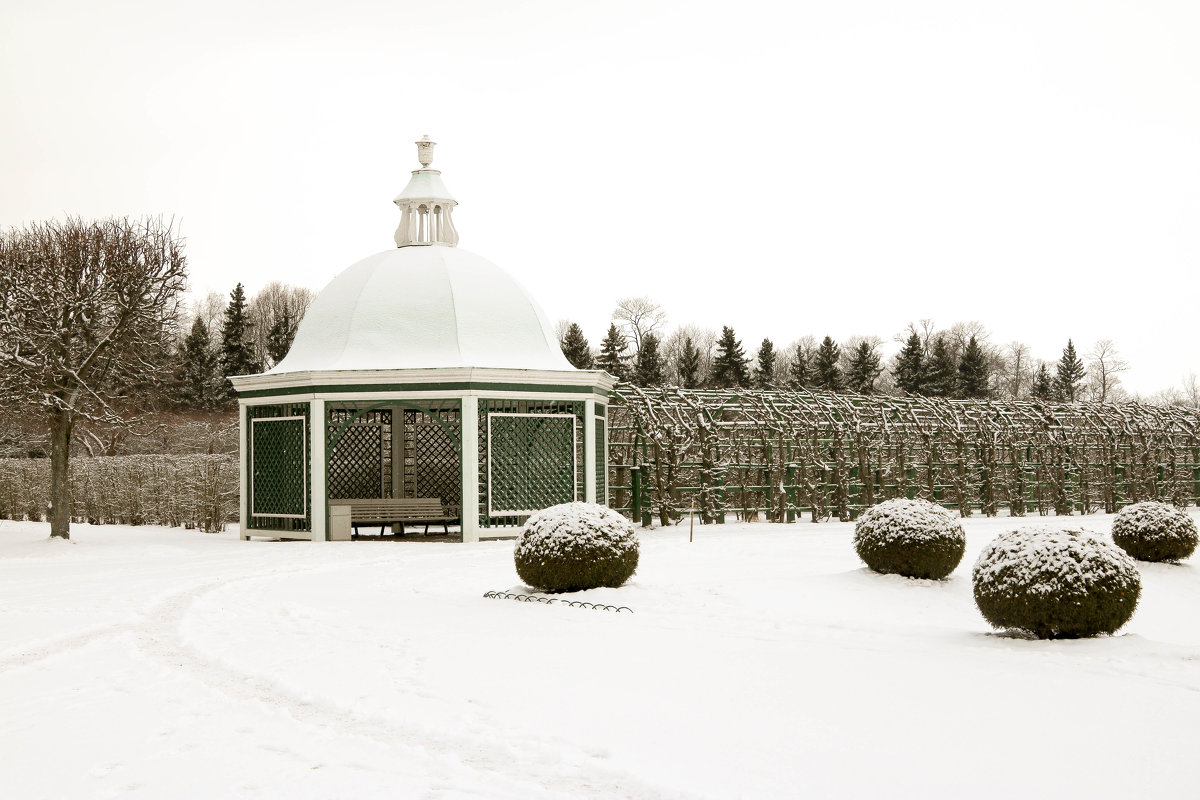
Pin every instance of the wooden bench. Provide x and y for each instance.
(399, 511)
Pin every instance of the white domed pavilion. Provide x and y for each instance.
(441, 391)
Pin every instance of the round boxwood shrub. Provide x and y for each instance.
(576, 546)
(1055, 584)
(913, 538)
(1152, 531)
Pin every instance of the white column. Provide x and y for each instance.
(319, 485)
(243, 457)
(589, 450)
(470, 469)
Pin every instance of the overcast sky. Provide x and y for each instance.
(785, 168)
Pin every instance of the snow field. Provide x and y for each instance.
(760, 661)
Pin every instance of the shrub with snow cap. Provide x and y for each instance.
(1152, 531)
(913, 538)
(575, 546)
(1055, 584)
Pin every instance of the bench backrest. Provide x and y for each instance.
(373, 508)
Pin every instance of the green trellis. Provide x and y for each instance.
(532, 459)
(280, 494)
(359, 448)
(432, 456)
(520, 489)
(601, 448)
(360, 460)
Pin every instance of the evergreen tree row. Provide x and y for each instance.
(952, 364)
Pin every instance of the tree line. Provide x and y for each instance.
(956, 362)
(239, 337)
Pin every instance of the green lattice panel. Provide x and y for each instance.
(356, 467)
(532, 462)
(431, 460)
(601, 472)
(279, 459)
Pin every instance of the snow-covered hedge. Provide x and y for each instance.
(194, 491)
(575, 546)
(1152, 531)
(913, 538)
(1055, 584)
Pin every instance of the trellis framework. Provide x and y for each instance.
(364, 461)
(279, 462)
(779, 454)
(551, 459)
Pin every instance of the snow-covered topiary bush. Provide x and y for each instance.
(1152, 531)
(1055, 584)
(913, 538)
(575, 546)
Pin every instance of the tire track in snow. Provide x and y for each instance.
(528, 766)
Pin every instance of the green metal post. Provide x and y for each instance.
(635, 482)
(791, 492)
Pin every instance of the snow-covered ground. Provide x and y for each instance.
(760, 661)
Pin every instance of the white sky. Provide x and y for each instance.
(785, 168)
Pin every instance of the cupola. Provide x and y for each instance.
(425, 205)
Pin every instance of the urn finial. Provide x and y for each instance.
(425, 151)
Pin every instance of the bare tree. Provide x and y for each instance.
(210, 309)
(925, 330)
(703, 339)
(1104, 368)
(560, 329)
(87, 310)
(276, 303)
(1191, 391)
(1016, 374)
(960, 333)
(639, 316)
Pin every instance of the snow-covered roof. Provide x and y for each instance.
(425, 184)
(423, 307)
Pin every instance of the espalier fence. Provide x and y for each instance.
(781, 454)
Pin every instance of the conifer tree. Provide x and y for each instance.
(1043, 384)
(197, 377)
(279, 338)
(575, 347)
(1070, 374)
(649, 368)
(827, 373)
(800, 374)
(863, 369)
(910, 372)
(764, 373)
(237, 354)
(941, 371)
(973, 372)
(612, 354)
(689, 365)
(729, 369)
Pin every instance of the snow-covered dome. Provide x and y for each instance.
(423, 307)
(425, 304)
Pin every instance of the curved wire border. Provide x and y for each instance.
(533, 598)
